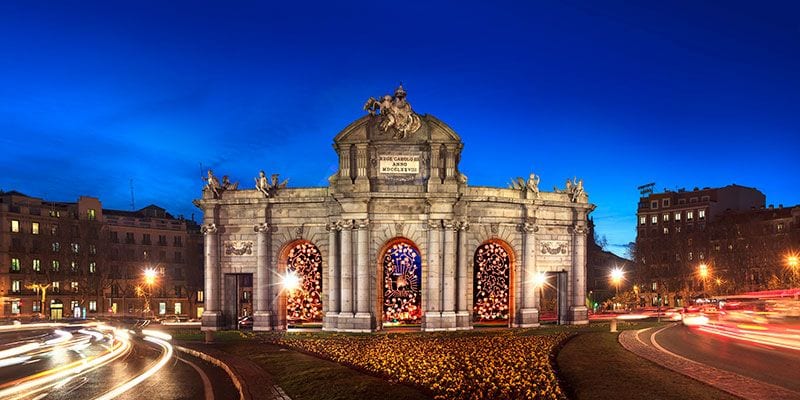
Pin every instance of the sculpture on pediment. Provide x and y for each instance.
(573, 188)
(228, 185)
(269, 188)
(395, 113)
(533, 183)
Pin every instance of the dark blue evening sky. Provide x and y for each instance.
(684, 94)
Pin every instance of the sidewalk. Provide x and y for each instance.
(735, 384)
(251, 380)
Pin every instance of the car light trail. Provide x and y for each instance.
(166, 355)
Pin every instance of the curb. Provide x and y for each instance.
(218, 363)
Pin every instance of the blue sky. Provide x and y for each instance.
(96, 94)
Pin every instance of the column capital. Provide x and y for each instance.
(450, 225)
(345, 224)
(209, 229)
(462, 225)
(263, 227)
(433, 225)
(579, 229)
(361, 224)
(529, 227)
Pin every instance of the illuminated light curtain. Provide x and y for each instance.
(303, 304)
(402, 268)
(492, 265)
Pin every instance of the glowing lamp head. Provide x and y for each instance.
(703, 271)
(291, 281)
(617, 274)
(793, 261)
(539, 279)
(149, 276)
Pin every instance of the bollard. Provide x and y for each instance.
(209, 337)
(614, 325)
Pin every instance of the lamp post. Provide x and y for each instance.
(703, 272)
(616, 277)
(149, 276)
(793, 261)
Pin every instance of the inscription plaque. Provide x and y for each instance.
(398, 164)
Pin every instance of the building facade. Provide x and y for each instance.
(711, 241)
(67, 259)
(398, 237)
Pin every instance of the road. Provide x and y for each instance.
(93, 361)
(759, 361)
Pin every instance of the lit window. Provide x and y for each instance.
(702, 256)
(162, 308)
(56, 287)
(35, 228)
(56, 247)
(780, 227)
(92, 305)
(178, 309)
(15, 265)
(73, 304)
(56, 265)
(37, 265)
(691, 256)
(91, 214)
(666, 217)
(92, 249)
(73, 266)
(642, 220)
(655, 286)
(15, 307)
(14, 225)
(15, 286)
(666, 231)
(701, 214)
(74, 247)
(654, 219)
(689, 215)
(37, 306)
(200, 296)
(74, 286)
(92, 267)
(677, 216)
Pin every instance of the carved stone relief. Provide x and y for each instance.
(238, 247)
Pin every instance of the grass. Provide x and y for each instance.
(593, 365)
(304, 377)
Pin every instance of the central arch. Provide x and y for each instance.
(493, 266)
(401, 266)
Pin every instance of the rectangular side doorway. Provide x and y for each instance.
(237, 298)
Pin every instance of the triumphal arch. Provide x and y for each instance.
(398, 237)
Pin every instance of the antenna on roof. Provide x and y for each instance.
(133, 204)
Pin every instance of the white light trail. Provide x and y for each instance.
(165, 357)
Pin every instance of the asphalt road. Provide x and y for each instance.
(50, 352)
(765, 363)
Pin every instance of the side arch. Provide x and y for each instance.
(299, 282)
(493, 282)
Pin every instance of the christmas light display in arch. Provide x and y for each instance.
(492, 266)
(304, 270)
(401, 265)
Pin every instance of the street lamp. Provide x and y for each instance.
(703, 272)
(793, 261)
(616, 277)
(149, 275)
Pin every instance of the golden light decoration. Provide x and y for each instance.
(401, 278)
(492, 264)
(303, 283)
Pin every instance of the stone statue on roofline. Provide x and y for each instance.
(573, 188)
(269, 188)
(212, 184)
(395, 114)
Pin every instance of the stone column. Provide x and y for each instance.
(449, 276)
(433, 300)
(333, 278)
(579, 314)
(262, 311)
(346, 264)
(450, 164)
(435, 170)
(463, 320)
(212, 315)
(344, 162)
(530, 290)
(363, 314)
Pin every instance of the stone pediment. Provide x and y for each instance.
(367, 129)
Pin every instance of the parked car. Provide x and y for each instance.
(245, 322)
